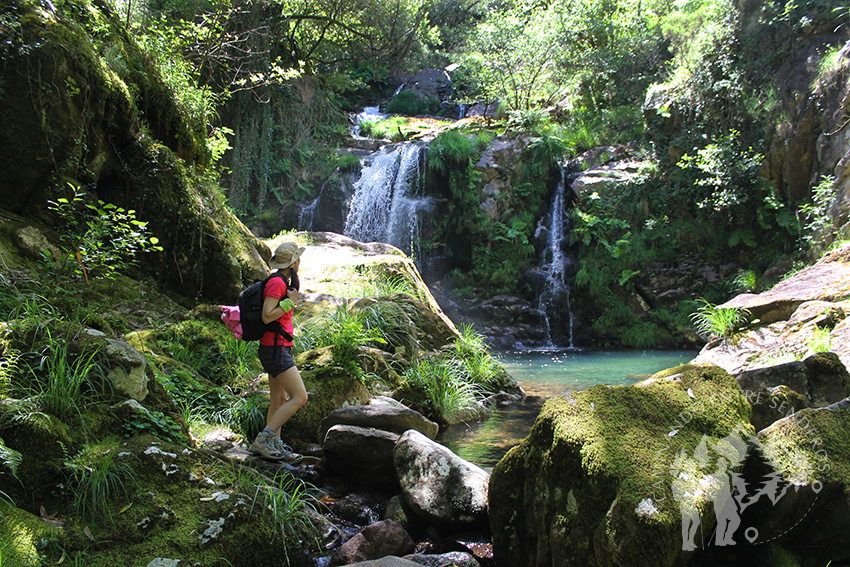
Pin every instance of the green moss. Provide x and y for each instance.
(813, 444)
(329, 388)
(21, 535)
(170, 507)
(592, 457)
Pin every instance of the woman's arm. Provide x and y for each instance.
(273, 308)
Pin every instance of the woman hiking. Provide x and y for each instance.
(287, 391)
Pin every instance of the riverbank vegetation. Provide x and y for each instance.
(685, 87)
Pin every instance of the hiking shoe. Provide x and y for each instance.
(264, 446)
(285, 450)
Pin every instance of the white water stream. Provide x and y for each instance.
(385, 207)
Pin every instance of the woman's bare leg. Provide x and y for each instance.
(287, 395)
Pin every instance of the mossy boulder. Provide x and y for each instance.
(22, 534)
(807, 458)
(42, 440)
(778, 391)
(328, 387)
(593, 482)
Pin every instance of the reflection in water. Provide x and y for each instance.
(544, 374)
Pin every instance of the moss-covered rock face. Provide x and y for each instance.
(811, 516)
(593, 484)
(216, 522)
(74, 104)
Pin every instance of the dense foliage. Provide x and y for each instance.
(691, 87)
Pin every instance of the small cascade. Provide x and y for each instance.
(308, 213)
(384, 207)
(554, 300)
(368, 113)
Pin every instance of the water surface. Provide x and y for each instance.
(544, 374)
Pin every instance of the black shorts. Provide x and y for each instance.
(275, 359)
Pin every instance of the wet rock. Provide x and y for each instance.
(438, 485)
(357, 509)
(453, 558)
(375, 541)
(380, 416)
(434, 83)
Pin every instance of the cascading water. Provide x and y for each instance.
(308, 213)
(384, 208)
(554, 301)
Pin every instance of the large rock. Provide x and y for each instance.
(601, 169)
(375, 541)
(334, 261)
(86, 132)
(817, 381)
(127, 370)
(805, 473)
(785, 320)
(605, 475)
(438, 485)
(380, 416)
(329, 387)
(362, 456)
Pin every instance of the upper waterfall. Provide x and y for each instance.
(384, 207)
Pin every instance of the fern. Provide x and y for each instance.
(10, 459)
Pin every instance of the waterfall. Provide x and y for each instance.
(554, 301)
(384, 208)
(305, 218)
(368, 113)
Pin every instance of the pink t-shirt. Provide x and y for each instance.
(276, 287)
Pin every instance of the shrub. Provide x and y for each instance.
(446, 385)
(103, 239)
(410, 103)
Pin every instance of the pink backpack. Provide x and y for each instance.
(230, 316)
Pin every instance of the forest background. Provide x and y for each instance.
(702, 91)
(705, 94)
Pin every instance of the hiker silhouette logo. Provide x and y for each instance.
(711, 477)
